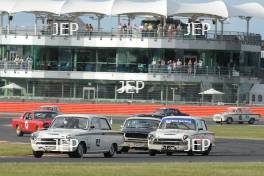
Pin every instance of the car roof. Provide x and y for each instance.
(88, 116)
(43, 111)
(167, 108)
(182, 117)
(143, 118)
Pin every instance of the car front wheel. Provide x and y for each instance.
(111, 152)
(38, 154)
(206, 152)
(251, 121)
(229, 120)
(18, 131)
(152, 152)
(78, 153)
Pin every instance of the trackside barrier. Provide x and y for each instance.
(116, 109)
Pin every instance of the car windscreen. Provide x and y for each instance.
(141, 123)
(45, 115)
(178, 124)
(70, 123)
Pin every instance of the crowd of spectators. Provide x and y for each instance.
(17, 63)
(177, 65)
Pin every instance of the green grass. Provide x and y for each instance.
(118, 169)
(10, 149)
(238, 131)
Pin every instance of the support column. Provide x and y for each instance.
(62, 90)
(74, 90)
(99, 18)
(35, 25)
(75, 60)
(118, 20)
(1, 22)
(222, 27)
(33, 89)
(216, 26)
(9, 23)
(248, 23)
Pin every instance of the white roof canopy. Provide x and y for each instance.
(88, 6)
(145, 7)
(214, 8)
(7, 5)
(49, 6)
(252, 9)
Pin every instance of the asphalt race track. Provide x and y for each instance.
(226, 150)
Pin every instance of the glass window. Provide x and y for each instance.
(95, 123)
(260, 98)
(253, 98)
(70, 123)
(104, 124)
(178, 123)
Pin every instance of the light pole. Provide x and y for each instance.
(238, 93)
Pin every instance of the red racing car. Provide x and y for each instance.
(33, 121)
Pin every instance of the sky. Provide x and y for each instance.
(233, 24)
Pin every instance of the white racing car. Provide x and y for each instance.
(181, 135)
(76, 135)
(237, 114)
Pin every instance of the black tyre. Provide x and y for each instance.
(125, 149)
(78, 153)
(207, 151)
(111, 152)
(18, 131)
(38, 154)
(229, 120)
(251, 121)
(190, 153)
(169, 153)
(152, 152)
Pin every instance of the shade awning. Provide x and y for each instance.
(211, 92)
(7, 5)
(252, 9)
(12, 86)
(215, 8)
(87, 6)
(47, 6)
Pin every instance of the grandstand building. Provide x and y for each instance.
(149, 54)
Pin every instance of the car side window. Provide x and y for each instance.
(95, 123)
(28, 116)
(104, 124)
(204, 125)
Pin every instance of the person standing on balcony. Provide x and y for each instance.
(5, 64)
(190, 67)
(21, 62)
(16, 61)
(29, 63)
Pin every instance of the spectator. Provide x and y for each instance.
(190, 67)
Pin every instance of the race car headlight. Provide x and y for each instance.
(34, 136)
(185, 137)
(151, 137)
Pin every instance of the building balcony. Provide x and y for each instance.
(234, 41)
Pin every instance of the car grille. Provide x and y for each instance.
(169, 142)
(47, 141)
(136, 135)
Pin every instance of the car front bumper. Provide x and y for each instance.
(168, 148)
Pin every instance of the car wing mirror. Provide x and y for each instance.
(92, 127)
(200, 129)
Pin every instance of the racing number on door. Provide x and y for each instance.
(26, 124)
(98, 142)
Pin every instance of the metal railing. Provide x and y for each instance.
(183, 70)
(252, 39)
